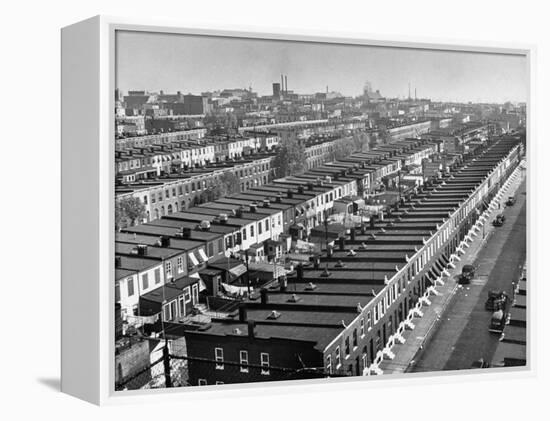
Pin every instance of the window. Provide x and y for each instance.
(329, 365)
(218, 353)
(202, 382)
(144, 200)
(355, 338)
(364, 357)
(187, 294)
(338, 357)
(181, 303)
(244, 361)
(362, 327)
(251, 230)
(210, 249)
(264, 360)
(244, 234)
(157, 276)
(167, 312)
(267, 225)
(220, 245)
(375, 316)
(130, 283)
(259, 228)
(180, 264)
(145, 281)
(169, 269)
(167, 193)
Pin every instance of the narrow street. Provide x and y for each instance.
(462, 335)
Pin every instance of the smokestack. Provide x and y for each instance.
(286, 85)
(282, 83)
(409, 90)
(415, 94)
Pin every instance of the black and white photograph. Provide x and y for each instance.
(290, 209)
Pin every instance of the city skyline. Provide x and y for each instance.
(155, 61)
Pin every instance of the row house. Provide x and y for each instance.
(135, 275)
(160, 138)
(340, 316)
(179, 191)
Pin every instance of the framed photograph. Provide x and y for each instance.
(243, 209)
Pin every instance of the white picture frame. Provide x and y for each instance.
(88, 60)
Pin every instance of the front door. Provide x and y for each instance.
(195, 294)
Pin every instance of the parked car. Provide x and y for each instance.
(499, 220)
(496, 300)
(468, 273)
(511, 200)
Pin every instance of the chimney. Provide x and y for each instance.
(251, 328)
(263, 296)
(185, 232)
(342, 243)
(239, 212)
(279, 197)
(242, 313)
(286, 85)
(283, 283)
(253, 207)
(118, 261)
(300, 189)
(289, 194)
(352, 234)
(164, 241)
(310, 186)
(316, 262)
(282, 84)
(300, 273)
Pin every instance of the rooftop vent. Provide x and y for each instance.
(237, 331)
(311, 287)
(223, 218)
(266, 203)
(325, 273)
(352, 253)
(274, 315)
(294, 298)
(339, 264)
(205, 225)
(363, 246)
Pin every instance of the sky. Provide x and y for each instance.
(195, 64)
